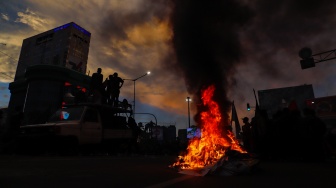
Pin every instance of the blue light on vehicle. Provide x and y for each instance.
(65, 115)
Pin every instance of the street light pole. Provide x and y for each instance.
(134, 89)
(188, 100)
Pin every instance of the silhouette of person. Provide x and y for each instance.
(114, 85)
(133, 147)
(96, 86)
(312, 133)
(247, 134)
(107, 85)
(105, 91)
(126, 105)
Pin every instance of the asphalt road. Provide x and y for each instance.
(151, 171)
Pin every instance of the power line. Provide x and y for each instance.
(7, 75)
(24, 64)
(8, 55)
(9, 61)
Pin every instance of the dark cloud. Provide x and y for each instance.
(112, 31)
(286, 26)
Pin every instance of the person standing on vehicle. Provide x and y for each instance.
(114, 85)
(96, 86)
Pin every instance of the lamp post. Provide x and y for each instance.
(188, 100)
(147, 73)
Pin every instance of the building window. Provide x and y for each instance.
(44, 39)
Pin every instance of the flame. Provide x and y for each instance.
(212, 146)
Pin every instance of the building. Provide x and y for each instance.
(51, 71)
(65, 46)
(274, 100)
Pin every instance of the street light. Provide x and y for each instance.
(188, 99)
(147, 73)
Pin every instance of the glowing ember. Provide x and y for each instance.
(213, 145)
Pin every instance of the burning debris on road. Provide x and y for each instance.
(217, 150)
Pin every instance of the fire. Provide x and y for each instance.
(212, 146)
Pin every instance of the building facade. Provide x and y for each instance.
(51, 71)
(274, 100)
(65, 46)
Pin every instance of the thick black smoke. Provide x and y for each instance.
(207, 45)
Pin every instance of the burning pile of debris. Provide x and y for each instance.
(215, 152)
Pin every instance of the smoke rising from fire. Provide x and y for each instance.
(207, 45)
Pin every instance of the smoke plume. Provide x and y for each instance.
(207, 45)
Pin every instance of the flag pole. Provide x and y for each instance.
(232, 111)
(255, 96)
(234, 117)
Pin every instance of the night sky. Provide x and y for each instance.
(237, 45)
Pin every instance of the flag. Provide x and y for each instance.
(234, 117)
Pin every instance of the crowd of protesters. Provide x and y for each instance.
(289, 135)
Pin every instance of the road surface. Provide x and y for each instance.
(151, 171)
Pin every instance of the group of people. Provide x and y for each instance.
(106, 92)
(288, 135)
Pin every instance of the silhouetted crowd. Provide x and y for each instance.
(106, 92)
(289, 136)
